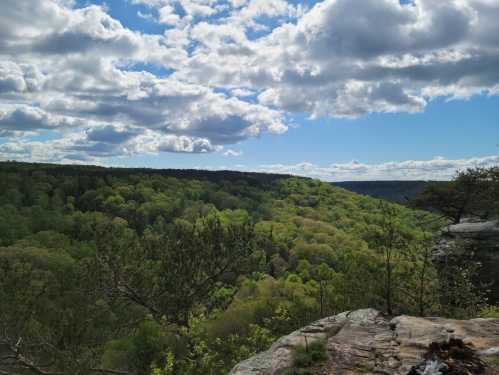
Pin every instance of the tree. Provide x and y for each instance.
(54, 321)
(471, 193)
(325, 276)
(389, 240)
(419, 279)
(458, 291)
(128, 270)
(170, 274)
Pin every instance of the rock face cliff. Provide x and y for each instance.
(366, 342)
(477, 241)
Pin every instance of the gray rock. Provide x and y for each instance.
(474, 230)
(366, 342)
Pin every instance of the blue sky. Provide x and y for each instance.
(332, 89)
(451, 129)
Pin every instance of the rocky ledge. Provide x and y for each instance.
(366, 342)
(485, 233)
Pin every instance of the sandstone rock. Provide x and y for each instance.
(366, 342)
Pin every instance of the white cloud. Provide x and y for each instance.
(82, 74)
(347, 58)
(242, 92)
(28, 119)
(146, 16)
(168, 16)
(438, 168)
(16, 78)
(233, 153)
(70, 71)
(94, 145)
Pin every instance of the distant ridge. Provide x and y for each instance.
(395, 191)
(253, 178)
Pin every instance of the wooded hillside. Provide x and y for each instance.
(189, 272)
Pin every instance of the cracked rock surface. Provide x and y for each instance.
(366, 342)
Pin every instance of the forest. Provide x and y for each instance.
(150, 272)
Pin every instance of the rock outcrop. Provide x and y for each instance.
(483, 234)
(366, 342)
(477, 241)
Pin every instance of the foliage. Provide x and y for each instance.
(460, 294)
(171, 273)
(190, 272)
(489, 311)
(309, 354)
(472, 193)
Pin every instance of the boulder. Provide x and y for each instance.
(367, 342)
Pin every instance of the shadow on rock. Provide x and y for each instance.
(450, 358)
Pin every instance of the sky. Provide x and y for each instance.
(333, 89)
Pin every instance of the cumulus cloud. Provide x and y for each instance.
(100, 143)
(381, 56)
(28, 119)
(347, 58)
(111, 134)
(225, 71)
(20, 78)
(72, 70)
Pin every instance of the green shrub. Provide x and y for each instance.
(310, 355)
(489, 311)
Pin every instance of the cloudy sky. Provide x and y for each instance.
(333, 89)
